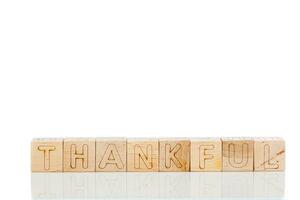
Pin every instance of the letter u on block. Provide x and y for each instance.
(79, 155)
(142, 155)
(238, 154)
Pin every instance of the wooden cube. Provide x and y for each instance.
(47, 155)
(206, 154)
(111, 154)
(269, 154)
(238, 154)
(142, 155)
(79, 155)
(174, 155)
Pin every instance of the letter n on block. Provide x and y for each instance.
(111, 154)
(238, 154)
(79, 155)
(206, 154)
(47, 155)
(142, 155)
(269, 154)
(174, 155)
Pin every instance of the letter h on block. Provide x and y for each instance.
(79, 155)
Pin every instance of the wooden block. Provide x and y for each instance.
(142, 155)
(269, 154)
(111, 154)
(79, 155)
(238, 154)
(174, 155)
(47, 155)
(206, 154)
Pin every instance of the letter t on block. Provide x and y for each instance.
(79, 155)
(47, 155)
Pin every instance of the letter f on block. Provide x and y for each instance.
(82, 156)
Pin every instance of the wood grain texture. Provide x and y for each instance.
(47, 155)
(174, 155)
(79, 155)
(269, 154)
(238, 154)
(206, 154)
(111, 154)
(142, 155)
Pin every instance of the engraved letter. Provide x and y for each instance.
(170, 155)
(204, 155)
(232, 156)
(267, 159)
(112, 157)
(46, 150)
(140, 155)
(82, 156)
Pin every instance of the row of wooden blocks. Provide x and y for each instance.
(153, 155)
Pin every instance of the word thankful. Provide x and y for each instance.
(153, 155)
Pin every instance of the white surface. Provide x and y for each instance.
(146, 68)
(157, 185)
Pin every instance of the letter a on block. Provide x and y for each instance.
(142, 155)
(238, 154)
(174, 155)
(269, 154)
(111, 154)
(79, 155)
(47, 155)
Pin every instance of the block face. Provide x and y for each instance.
(238, 154)
(206, 155)
(142, 155)
(174, 155)
(111, 154)
(269, 154)
(47, 155)
(79, 155)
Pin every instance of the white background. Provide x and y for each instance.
(149, 69)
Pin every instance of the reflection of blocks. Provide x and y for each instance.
(174, 155)
(269, 154)
(206, 154)
(47, 155)
(111, 154)
(174, 185)
(47, 185)
(237, 154)
(79, 185)
(142, 155)
(240, 185)
(143, 185)
(269, 185)
(79, 155)
(111, 185)
(208, 184)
